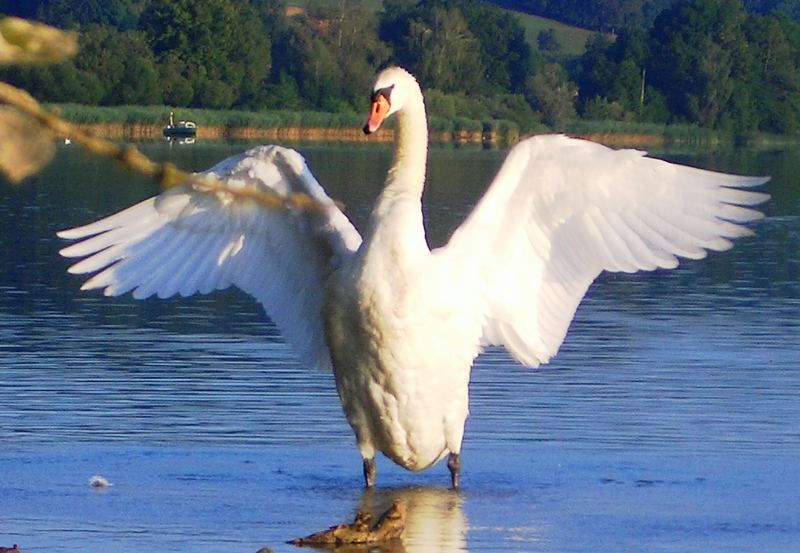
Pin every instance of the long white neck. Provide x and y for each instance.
(407, 174)
(397, 216)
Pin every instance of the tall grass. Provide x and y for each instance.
(684, 134)
(456, 127)
(503, 130)
(155, 115)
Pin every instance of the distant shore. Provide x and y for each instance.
(146, 124)
(614, 134)
(142, 131)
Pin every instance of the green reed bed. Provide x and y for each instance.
(206, 117)
(502, 129)
(687, 134)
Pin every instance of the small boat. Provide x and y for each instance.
(179, 129)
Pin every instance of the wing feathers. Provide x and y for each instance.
(737, 214)
(584, 208)
(679, 242)
(657, 243)
(103, 258)
(97, 243)
(158, 268)
(643, 257)
(121, 219)
(129, 272)
(191, 268)
(188, 240)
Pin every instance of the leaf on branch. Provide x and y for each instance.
(18, 98)
(24, 41)
(25, 146)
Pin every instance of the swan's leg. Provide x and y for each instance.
(454, 464)
(454, 433)
(367, 454)
(369, 472)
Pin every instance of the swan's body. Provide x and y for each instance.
(400, 324)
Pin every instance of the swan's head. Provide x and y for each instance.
(394, 88)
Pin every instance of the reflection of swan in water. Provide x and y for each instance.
(435, 520)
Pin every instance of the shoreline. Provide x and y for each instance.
(491, 138)
(146, 131)
(137, 123)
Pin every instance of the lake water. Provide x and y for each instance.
(669, 421)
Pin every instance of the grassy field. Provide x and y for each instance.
(572, 39)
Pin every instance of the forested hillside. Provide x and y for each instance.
(712, 63)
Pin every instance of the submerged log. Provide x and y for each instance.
(390, 526)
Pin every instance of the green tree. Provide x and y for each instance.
(112, 68)
(698, 51)
(62, 82)
(456, 45)
(789, 8)
(283, 93)
(122, 62)
(552, 94)
(612, 74)
(306, 64)
(319, 82)
(213, 93)
(504, 50)
(448, 54)
(221, 44)
(597, 71)
(250, 53)
(547, 41)
(287, 71)
(775, 84)
(176, 87)
(433, 40)
(68, 14)
(351, 38)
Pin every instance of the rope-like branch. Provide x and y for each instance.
(166, 174)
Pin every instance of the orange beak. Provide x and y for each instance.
(377, 113)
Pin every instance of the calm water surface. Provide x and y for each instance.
(669, 421)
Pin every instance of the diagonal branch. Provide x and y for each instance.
(166, 174)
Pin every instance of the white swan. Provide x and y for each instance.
(399, 324)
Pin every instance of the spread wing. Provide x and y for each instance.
(187, 240)
(562, 210)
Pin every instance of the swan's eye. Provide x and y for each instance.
(386, 92)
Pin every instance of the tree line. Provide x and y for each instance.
(705, 62)
(613, 15)
(708, 62)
